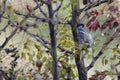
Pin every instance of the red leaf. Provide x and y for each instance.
(101, 11)
(110, 1)
(113, 9)
(94, 12)
(100, 75)
(107, 23)
(93, 23)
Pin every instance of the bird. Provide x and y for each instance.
(85, 38)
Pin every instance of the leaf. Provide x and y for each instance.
(37, 47)
(9, 7)
(93, 23)
(114, 57)
(113, 9)
(106, 62)
(20, 78)
(38, 56)
(23, 55)
(44, 59)
(30, 56)
(103, 60)
(98, 75)
(116, 50)
(72, 73)
(26, 46)
(108, 23)
(94, 12)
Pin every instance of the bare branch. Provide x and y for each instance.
(43, 19)
(39, 6)
(39, 39)
(116, 34)
(9, 50)
(58, 7)
(44, 1)
(3, 9)
(117, 64)
(13, 33)
(66, 51)
(94, 4)
(8, 38)
(10, 22)
(4, 29)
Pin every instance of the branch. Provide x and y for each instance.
(39, 39)
(39, 6)
(4, 29)
(45, 43)
(33, 24)
(92, 5)
(43, 19)
(117, 64)
(8, 38)
(9, 50)
(10, 22)
(116, 34)
(45, 2)
(58, 7)
(3, 9)
(13, 33)
(64, 50)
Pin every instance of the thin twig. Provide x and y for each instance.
(57, 9)
(4, 29)
(3, 9)
(92, 5)
(39, 6)
(13, 33)
(64, 50)
(45, 2)
(43, 19)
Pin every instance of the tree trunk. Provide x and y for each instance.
(78, 53)
(53, 42)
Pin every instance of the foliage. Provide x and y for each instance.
(25, 46)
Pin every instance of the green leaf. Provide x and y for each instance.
(38, 56)
(20, 78)
(72, 74)
(114, 57)
(30, 56)
(44, 59)
(106, 62)
(23, 55)
(26, 46)
(38, 47)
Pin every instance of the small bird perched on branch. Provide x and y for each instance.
(84, 37)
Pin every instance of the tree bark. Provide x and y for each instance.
(53, 42)
(78, 53)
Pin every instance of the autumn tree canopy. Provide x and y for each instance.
(39, 40)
